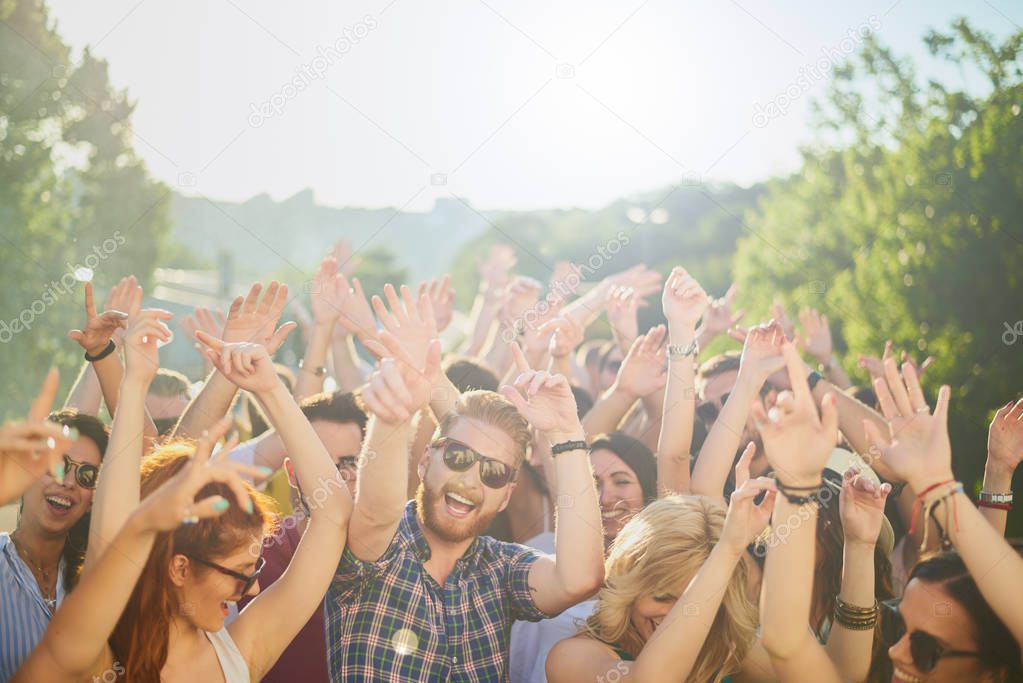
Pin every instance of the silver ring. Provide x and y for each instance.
(190, 518)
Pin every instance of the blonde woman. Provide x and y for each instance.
(675, 604)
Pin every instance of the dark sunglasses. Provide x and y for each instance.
(459, 457)
(247, 580)
(86, 474)
(708, 411)
(348, 462)
(924, 648)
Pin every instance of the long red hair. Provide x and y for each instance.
(140, 639)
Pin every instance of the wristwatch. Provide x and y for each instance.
(679, 351)
(319, 371)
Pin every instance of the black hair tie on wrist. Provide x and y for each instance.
(102, 354)
(568, 446)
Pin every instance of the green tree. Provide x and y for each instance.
(72, 194)
(904, 224)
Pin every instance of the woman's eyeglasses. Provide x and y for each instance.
(86, 474)
(924, 648)
(708, 411)
(459, 457)
(247, 580)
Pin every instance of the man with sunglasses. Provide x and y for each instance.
(40, 558)
(419, 594)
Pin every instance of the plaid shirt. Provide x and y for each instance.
(390, 620)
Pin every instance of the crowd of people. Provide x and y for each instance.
(499, 495)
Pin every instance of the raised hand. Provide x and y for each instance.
(356, 315)
(246, 364)
(495, 271)
(99, 327)
(719, 316)
(544, 399)
(1005, 438)
(683, 300)
(796, 439)
(779, 314)
(409, 320)
(643, 369)
(746, 520)
(566, 335)
(400, 386)
(119, 299)
(916, 448)
(762, 353)
(643, 281)
(875, 365)
(327, 294)
(817, 339)
(621, 307)
(174, 503)
(31, 448)
(861, 506)
(521, 294)
(442, 297)
(565, 280)
(254, 319)
(146, 327)
(347, 261)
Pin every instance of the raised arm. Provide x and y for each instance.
(74, 646)
(495, 273)
(816, 340)
(917, 448)
(718, 317)
(251, 319)
(797, 443)
(95, 337)
(393, 394)
(761, 357)
(117, 493)
(326, 295)
(861, 503)
(641, 373)
(1004, 452)
(683, 302)
(291, 600)
(31, 448)
(577, 569)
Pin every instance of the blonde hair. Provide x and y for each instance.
(659, 552)
(490, 408)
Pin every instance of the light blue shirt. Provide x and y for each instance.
(24, 614)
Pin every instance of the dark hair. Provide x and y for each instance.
(998, 650)
(717, 365)
(257, 420)
(339, 407)
(169, 383)
(864, 395)
(636, 455)
(606, 349)
(469, 375)
(583, 400)
(78, 535)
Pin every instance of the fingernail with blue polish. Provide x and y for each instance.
(265, 471)
(248, 505)
(221, 505)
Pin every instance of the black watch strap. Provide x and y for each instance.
(568, 446)
(102, 354)
(813, 378)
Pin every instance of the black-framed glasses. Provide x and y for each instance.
(460, 457)
(924, 648)
(86, 474)
(247, 580)
(708, 411)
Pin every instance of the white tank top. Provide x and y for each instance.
(234, 666)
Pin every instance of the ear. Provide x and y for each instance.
(289, 467)
(178, 570)
(424, 465)
(507, 496)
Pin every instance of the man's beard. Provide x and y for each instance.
(449, 529)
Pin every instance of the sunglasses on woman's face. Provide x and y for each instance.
(708, 411)
(459, 458)
(247, 580)
(86, 474)
(924, 648)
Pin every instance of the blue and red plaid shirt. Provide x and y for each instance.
(390, 620)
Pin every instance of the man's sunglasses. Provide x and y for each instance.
(86, 474)
(247, 580)
(459, 457)
(924, 648)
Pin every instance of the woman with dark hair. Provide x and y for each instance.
(41, 558)
(625, 472)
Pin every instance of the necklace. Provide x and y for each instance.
(49, 595)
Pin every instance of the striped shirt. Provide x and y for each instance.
(24, 614)
(389, 620)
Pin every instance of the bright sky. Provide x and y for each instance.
(510, 104)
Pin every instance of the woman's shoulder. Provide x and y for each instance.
(581, 653)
